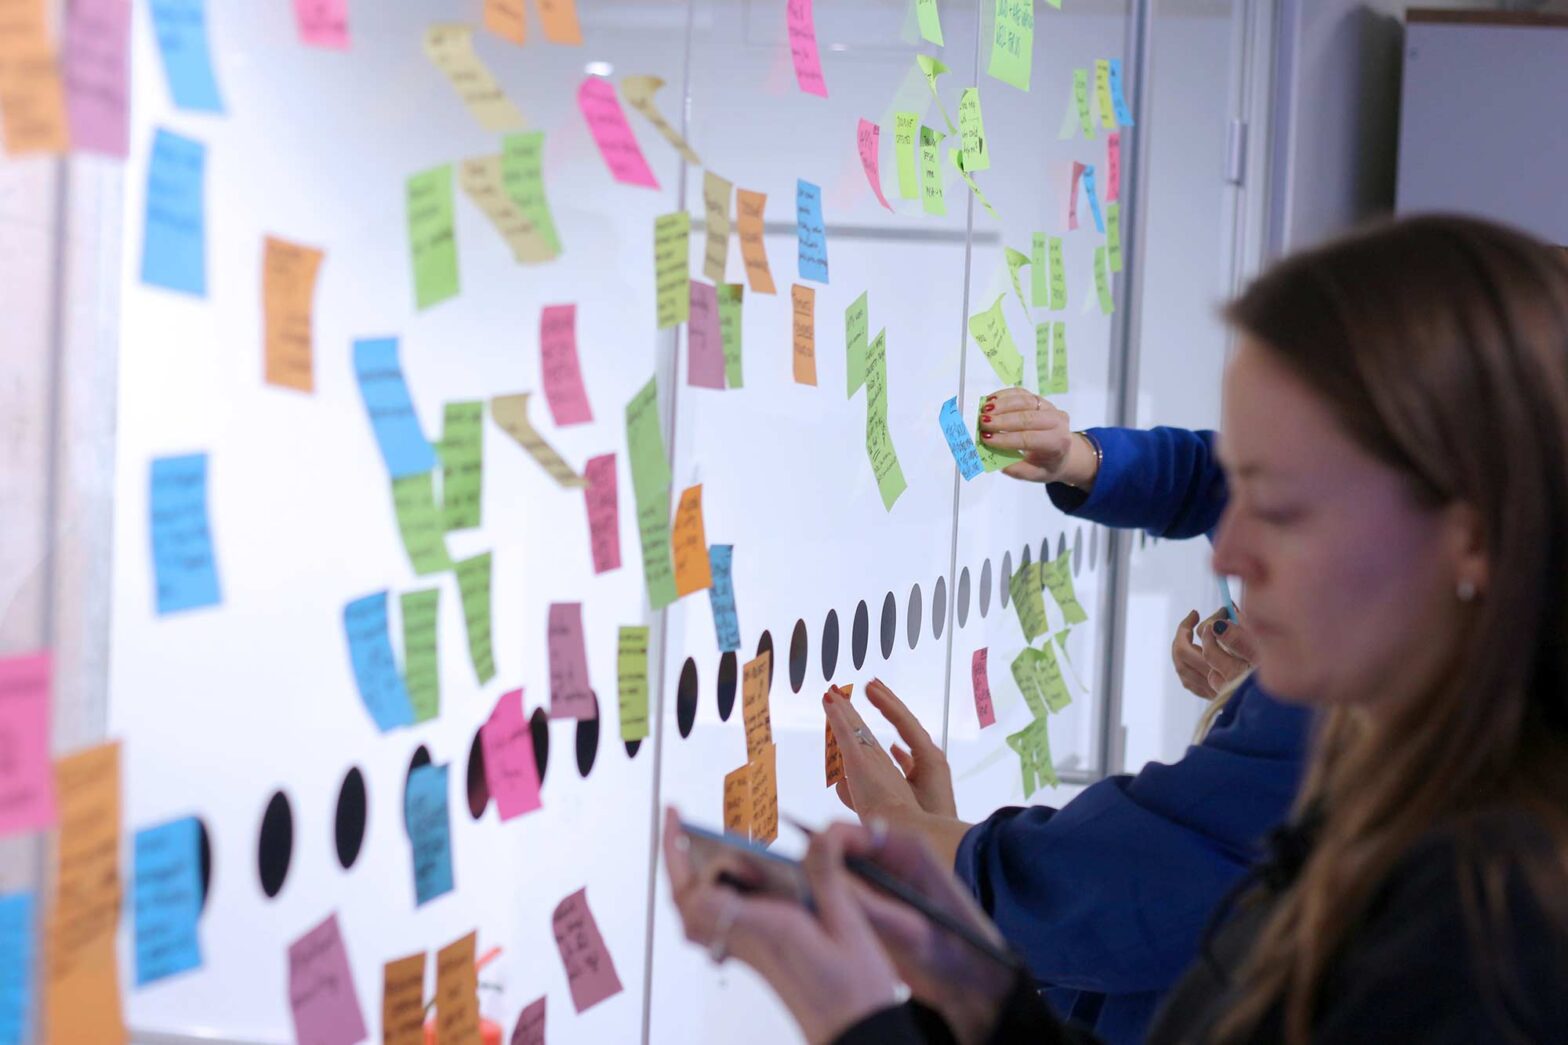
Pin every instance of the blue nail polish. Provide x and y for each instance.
(1220, 626)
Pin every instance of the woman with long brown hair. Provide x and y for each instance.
(1396, 444)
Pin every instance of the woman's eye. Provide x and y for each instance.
(1277, 515)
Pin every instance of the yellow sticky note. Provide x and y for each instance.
(879, 437)
(288, 293)
(749, 208)
(689, 543)
(971, 131)
(716, 205)
(672, 277)
(451, 48)
(1081, 99)
(1012, 42)
(930, 21)
(1113, 235)
(638, 92)
(1058, 275)
(1102, 92)
(906, 126)
(510, 412)
(1051, 357)
(989, 329)
(1102, 281)
(804, 304)
(755, 677)
(483, 181)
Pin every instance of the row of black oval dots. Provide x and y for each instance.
(275, 846)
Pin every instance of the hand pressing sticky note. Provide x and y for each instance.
(803, 47)
(26, 775)
(510, 768)
(185, 569)
(451, 48)
(604, 512)
(803, 302)
(321, 988)
(672, 279)
(432, 235)
(749, 207)
(811, 232)
(462, 464)
(868, 138)
(421, 659)
(989, 329)
(765, 795)
(510, 412)
(403, 1001)
(1028, 600)
(457, 993)
(959, 441)
(607, 123)
(856, 342)
(180, 27)
(1012, 42)
(403, 445)
(906, 128)
(992, 459)
(638, 92)
(590, 971)
(689, 544)
(473, 582)
(288, 292)
(174, 236)
(726, 621)
(985, 712)
(559, 370)
(380, 684)
(971, 131)
(704, 338)
(631, 669)
(755, 679)
(167, 899)
(428, 820)
(571, 696)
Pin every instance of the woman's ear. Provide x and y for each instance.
(1472, 564)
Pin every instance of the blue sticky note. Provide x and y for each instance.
(1094, 199)
(185, 571)
(726, 622)
(1119, 100)
(403, 444)
(167, 899)
(181, 28)
(430, 831)
(375, 668)
(17, 913)
(959, 442)
(812, 233)
(174, 234)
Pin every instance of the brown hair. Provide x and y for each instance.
(1441, 343)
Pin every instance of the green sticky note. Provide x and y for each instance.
(958, 165)
(1102, 282)
(932, 192)
(671, 267)
(1015, 261)
(1033, 745)
(1028, 683)
(421, 664)
(905, 127)
(1102, 91)
(1113, 235)
(856, 331)
(1039, 286)
(432, 235)
(1012, 42)
(932, 68)
(658, 567)
(1081, 99)
(879, 438)
(1048, 674)
(632, 672)
(1058, 577)
(731, 296)
(522, 174)
(419, 519)
(991, 459)
(462, 464)
(971, 131)
(1028, 592)
(645, 444)
(989, 329)
(1058, 276)
(1057, 382)
(930, 21)
(473, 583)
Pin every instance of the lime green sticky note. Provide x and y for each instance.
(671, 267)
(958, 165)
(1081, 98)
(473, 584)
(989, 329)
(645, 443)
(1102, 92)
(1057, 385)
(522, 174)
(1058, 577)
(1102, 282)
(1029, 683)
(932, 192)
(1015, 261)
(1042, 356)
(993, 460)
(879, 438)
(731, 296)
(462, 464)
(1028, 597)
(421, 666)
(905, 127)
(631, 663)
(930, 21)
(856, 332)
(1012, 42)
(1058, 276)
(1113, 234)
(1039, 286)
(971, 131)
(419, 519)
(432, 235)
(932, 68)
(1048, 675)
(1033, 745)
(658, 566)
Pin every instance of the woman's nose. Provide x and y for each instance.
(1230, 556)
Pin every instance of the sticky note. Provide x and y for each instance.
(868, 136)
(721, 595)
(689, 544)
(97, 75)
(1058, 275)
(631, 672)
(1033, 745)
(174, 238)
(529, 1029)
(803, 303)
(185, 569)
(1012, 43)
(571, 696)
(1039, 284)
(167, 899)
(473, 584)
(559, 18)
(810, 231)
(716, 192)
(704, 339)
(510, 412)
(324, 23)
(604, 512)
(737, 801)
(1118, 99)
(1113, 235)
(457, 992)
(1081, 101)
(932, 191)
(321, 988)
(508, 20)
(833, 756)
(462, 465)
(288, 291)
(484, 182)
(432, 235)
(1094, 199)
(906, 126)
(403, 1001)
(607, 123)
(375, 668)
(421, 660)
(1049, 673)
(1113, 166)
(671, 235)
(855, 342)
(971, 131)
(1028, 597)
(1058, 577)
(558, 366)
(974, 187)
(1102, 93)
(1016, 260)
(989, 329)
(879, 439)
(26, 775)
(590, 971)
(932, 68)
(930, 21)
(731, 297)
(522, 175)
(755, 677)
(18, 913)
(653, 527)
(984, 711)
(958, 440)
(638, 92)
(1072, 198)
(765, 795)
(511, 771)
(403, 445)
(1102, 281)
(992, 459)
(749, 208)
(1028, 681)
(451, 48)
(32, 97)
(803, 48)
(645, 442)
(1053, 373)
(180, 27)
(429, 824)
(420, 523)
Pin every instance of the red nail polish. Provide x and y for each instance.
(985, 417)
(985, 435)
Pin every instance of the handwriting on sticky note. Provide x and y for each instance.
(180, 27)
(529, 1029)
(1039, 284)
(510, 412)
(833, 756)
(604, 513)
(731, 297)
(811, 232)
(989, 329)
(645, 442)
(324, 23)
(522, 175)
(421, 663)
(421, 523)
(737, 801)
(167, 899)
(638, 92)
(1053, 374)
(1113, 166)
(510, 768)
(590, 971)
(429, 823)
(726, 621)
(1102, 281)
(906, 128)
(765, 795)
(1024, 674)
(26, 776)
(959, 441)
(689, 544)
(755, 678)
(1118, 99)
(484, 182)
(451, 48)
(607, 123)
(457, 993)
(185, 570)
(856, 338)
(933, 193)
(1016, 260)
(571, 696)
(1033, 745)
(174, 238)
(879, 437)
(803, 48)
(288, 291)
(507, 19)
(671, 244)
(18, 964)
(749, 208)
(1102, 93)
(558, 366)
(653, 529)
(631, 671)
(1113, 236)
(984, 711)
(704, 338)
(32, 97)
(1012, 42)
(1058, 577)
(321, 988)
(1081, 101)
(97, 75)
(432, 235)
(473, 582)
(375, 668)
(1028, 600)
(403, 445)
(868, 137)
(971, 131)
(403, 1001)
(930, 21)
(716, 193)
(1058, 275)
(560, 21)
(462, 464)
(1094, 199)
(803, 302)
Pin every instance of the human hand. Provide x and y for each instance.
(923, 763)
(873, 786)
(1017, 419)
(1228, 650)
(1187, 655)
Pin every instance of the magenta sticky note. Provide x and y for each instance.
(704, 342)
(570, 694)
(530, 1024)
(321, 989)
(1113, 166)
(1072, 197)
(983, 709)
(510, 769)
(322, 23)
(96, 63)
(803, 48)
(563, 376)
(869, 137)
(607, 123)
(26, 775)
(604, 512)
(590, 972)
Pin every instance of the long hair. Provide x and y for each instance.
(1441, 345)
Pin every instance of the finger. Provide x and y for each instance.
(1184, 629)
(1238, 642)
(1195, 682)
(1010, 398)
(1029, 419)
(842, 788)
(1190, 659)
(1029, 473)
(905, 760)
(909, 857)
(845, 720)
(1216, 681)
(837, 908)
(677, 861)
(898, 713)
(1029, 441)
(1215, 617)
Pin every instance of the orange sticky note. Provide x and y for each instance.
(737, 801)
(765, 795)
(560, 21)
(457, 994)
(748, 223)
(288, 294)
(83, 985)
(32, 96)
(689, 543)
(505, 19)
(835, 757)
(403, 1001)
(754, 679)
(804, 300)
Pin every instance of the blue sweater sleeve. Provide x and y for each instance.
(1163, 480)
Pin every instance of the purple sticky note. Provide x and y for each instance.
(604, 512)
(563, 377)
(590, 972)
(321, 989)
(705, 343)
(322, 23)
(510, 768)
(803, 48)
(26, 775)
(96, 64)
(607, 123)
(570, 695)
(530, 1025)
(983, 709)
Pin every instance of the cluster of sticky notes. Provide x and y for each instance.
(590, 970)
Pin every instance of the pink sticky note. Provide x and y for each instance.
(869, 135)
(604, 512)
(704, 342)
(321, 989)
(530, 1025)
(803, 48)
(26, 775)
(1072, 198)
(607, 123)
(589, 970)
(322, 23)
(570, 695)
(1113, 166)
(96, 64)
(510, 768)
(983, 708)
(563, 378)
